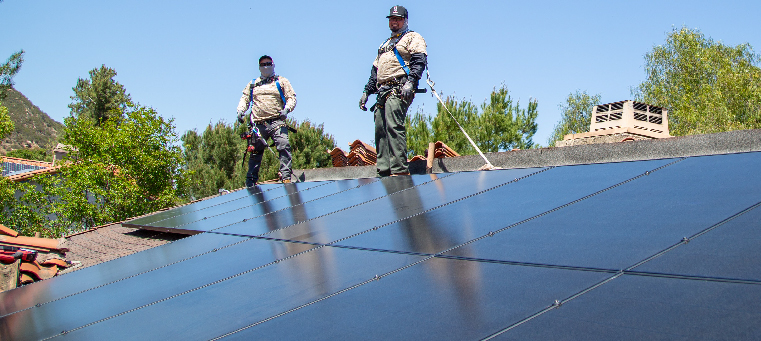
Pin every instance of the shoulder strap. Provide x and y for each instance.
(280, 90)
(401, 61)
(399, 56)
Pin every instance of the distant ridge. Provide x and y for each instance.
(32, 125)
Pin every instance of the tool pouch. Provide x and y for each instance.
(256, 143)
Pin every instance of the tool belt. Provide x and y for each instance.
(389, 88)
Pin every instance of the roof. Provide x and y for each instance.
(662, 247)
(15, 166)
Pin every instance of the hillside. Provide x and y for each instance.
(32, 125)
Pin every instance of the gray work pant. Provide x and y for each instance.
(277, 130)
(391, 136)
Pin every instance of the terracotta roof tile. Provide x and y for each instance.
(42, 244)
(8, 231)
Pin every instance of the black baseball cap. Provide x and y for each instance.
(264, 57)
(398, 11)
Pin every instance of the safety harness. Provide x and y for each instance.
(392, 46)
(266, 81)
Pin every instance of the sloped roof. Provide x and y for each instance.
(663, 247)
(15, 167)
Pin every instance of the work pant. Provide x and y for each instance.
(278, 131)
(391, 135)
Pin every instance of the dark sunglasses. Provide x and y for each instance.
(265, 64)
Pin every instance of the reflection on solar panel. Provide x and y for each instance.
(664, 249)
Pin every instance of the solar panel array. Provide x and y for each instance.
(664, 249)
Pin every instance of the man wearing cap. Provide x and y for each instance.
(271, 98)
(394, 77)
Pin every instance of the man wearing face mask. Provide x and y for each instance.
(394, 77)
(271, 98)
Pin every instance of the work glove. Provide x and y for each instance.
(408, 91)
(242, 117)
(284, 113)
(363, 101)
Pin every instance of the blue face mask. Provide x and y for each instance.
(267, 71)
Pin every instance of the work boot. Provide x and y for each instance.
(398, 174)
(286, 181)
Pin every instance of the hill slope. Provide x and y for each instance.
(32, 125)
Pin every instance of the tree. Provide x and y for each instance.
(124, 167)
(6, 124)
(706, 85)
(310, 144)
(31, 154)
(576, 116)
(501, 124)
(100, 97)
(211, 159)
(214, 159)
(9, 69)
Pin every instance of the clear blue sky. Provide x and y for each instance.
(190, 59)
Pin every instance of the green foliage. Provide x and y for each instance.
(127, 166)
(310, 145)
(576, 115)
(9, 69)
(100, 97)
(32, 154)
(214, 159)
(499, 125)
(6, 124)
(24, 209)
(706, 86)
(139, 144)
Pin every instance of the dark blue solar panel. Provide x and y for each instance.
(122, 293)
(569, 228)
(269, 214)
(228, 303)
(228, 200)
(240, 202)
(436, 300)
(114, 270)
(731, 250)
(647, 308)
(402, 197)
(629, 223)
(452, 225)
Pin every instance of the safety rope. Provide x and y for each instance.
(430, 82)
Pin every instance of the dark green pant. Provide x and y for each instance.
(391, 136)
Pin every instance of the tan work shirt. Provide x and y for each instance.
(267, 103)
(387, 63)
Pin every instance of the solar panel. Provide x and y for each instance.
(620, 227)
(730, 250)
(651, 308)
(216, 305)
(237, 200)
(436, 300)
(461, 221)
(402, 197)
(578, 252)
(111, 271)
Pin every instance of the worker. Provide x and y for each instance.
(271, 98)
(394, 77)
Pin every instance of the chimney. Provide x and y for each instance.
(649, 120)
(622, 121)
